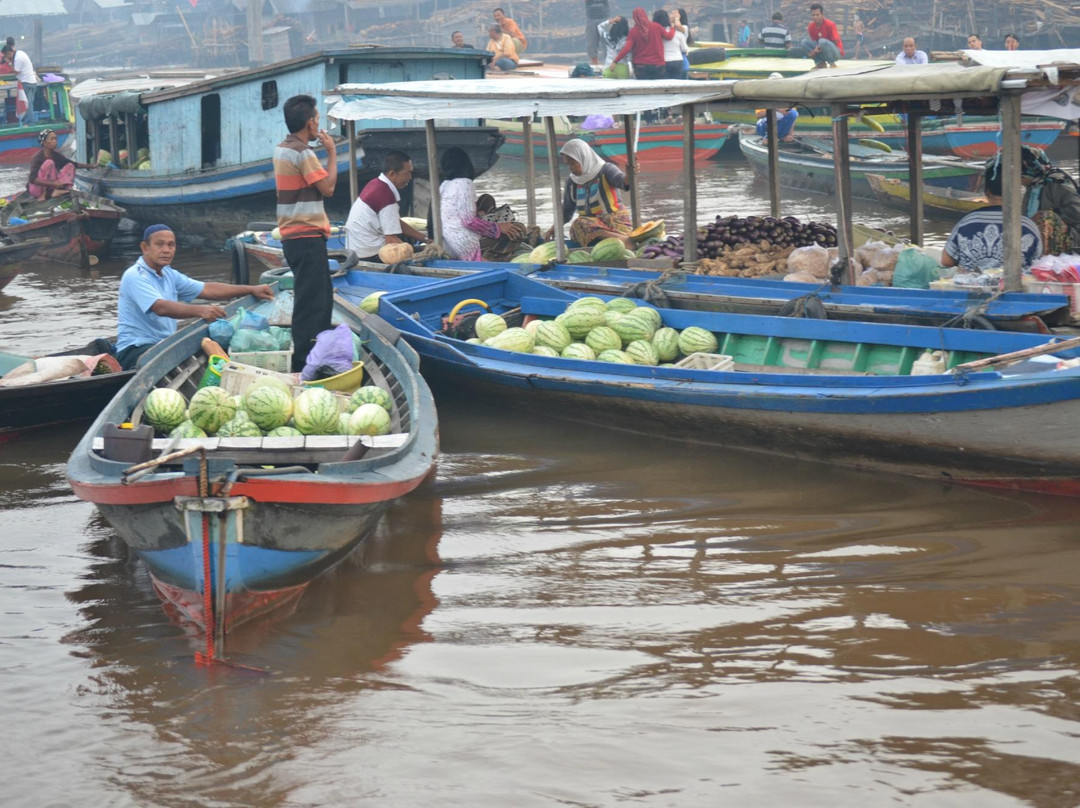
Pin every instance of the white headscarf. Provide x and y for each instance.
(591, 164)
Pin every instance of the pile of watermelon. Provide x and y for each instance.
(268, 408)
(617, 330)
(606, 251)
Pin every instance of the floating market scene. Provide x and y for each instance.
(554, 403)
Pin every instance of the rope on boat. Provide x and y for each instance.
(974, 316)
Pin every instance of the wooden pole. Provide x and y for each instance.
(690, 254)
(530, 170)
(915, 176)
(1013, 192)
(354, 175)
(631, 175)
(774, 162)
(841, 158)
(556, 189)
(433, 178)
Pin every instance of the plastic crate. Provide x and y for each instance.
(236, 377)
(279, 361)
(707, 361)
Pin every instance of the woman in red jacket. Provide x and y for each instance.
(645, 43)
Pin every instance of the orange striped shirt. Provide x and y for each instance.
(300, 212)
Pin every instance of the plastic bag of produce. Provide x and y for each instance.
(253, 321)
(914, 269)
(283, 309)
(869, 277)
(247, 339)
(332, 353)
(812, 260)
(879, 255)
(801, 277)
(282, 336)
(221, 332)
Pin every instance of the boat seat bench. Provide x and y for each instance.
(275, 451)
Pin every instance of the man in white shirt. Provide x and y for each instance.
(374, 219)
(910, 56)
(24, 68)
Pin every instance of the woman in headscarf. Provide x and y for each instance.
(463, 228)
(1051, 200)
(51, 173)
(592, 191)
(645, 44)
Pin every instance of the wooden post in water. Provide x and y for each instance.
(530, 169)
(556, 190)
(435, 203)
(773, 141)
(915, 176)
(841, 159)
(631, 156)
(690, 253)
(1013, 193)
(354, 175)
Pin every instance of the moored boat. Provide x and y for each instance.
(938, 202)
(14, 256)
(52, 110)
(76, 226)
(232, 527)
(838, 392)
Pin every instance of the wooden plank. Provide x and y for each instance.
(1019, 356)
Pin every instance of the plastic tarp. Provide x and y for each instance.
(515, 98)
(98, 106)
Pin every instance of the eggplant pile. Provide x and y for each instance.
(733, 231)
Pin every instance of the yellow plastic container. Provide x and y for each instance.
(346, 382)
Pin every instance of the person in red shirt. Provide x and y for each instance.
(645, 43)
(822, 43)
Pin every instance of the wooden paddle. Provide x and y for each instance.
(1017, 356)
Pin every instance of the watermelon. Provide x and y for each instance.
(488, 325)
(578, 257)
(211, 407)
(285, 432)
(315, 412)
(343, 423)
(610, 249)
(635, 325)
(652, 314)
(611, 316)
(186, 429)
(370, 304)
(370, 394)
(588, 300)
(666, 343)
(164, 408)
(578, 350)
(524, 258)
(543, 253)
(531, 327)
(544, 350)
(268, 407)
(618, 357)
(643, 352)
(239, 428)
(552, 334)
(271, 381)
(513, 339)
(474, 341)
(623, 304)
(602, 338)
(369, 419)
(697, 340)
(581, 321)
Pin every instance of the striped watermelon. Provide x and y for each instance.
(578, 350)
(602, 339)
(581, 321)
(618, 357)
(635, 325)
(315, 412)
(488, 325)
(642, 352)
(211, 407)
(268, 407)
(239, 428)
(369, 419)
(343, 423)
(513, 339)
(611, 316)
(589, 301)
(652, 314)
(285, 432)
(666, 342)
(164, 408)
(370, 394)
(621, 304)
(531, 327)
(697, 340)
(544, 350)
(186, 429)
(370, 304)
(551, 334)
(272, 381)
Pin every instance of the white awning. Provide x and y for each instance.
(515, 98)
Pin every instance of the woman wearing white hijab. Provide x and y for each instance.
(592, 191)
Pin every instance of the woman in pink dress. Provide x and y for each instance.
(51, 173)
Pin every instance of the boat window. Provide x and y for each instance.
(269, 94)
(211, 129)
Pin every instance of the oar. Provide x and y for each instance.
(1017, 356)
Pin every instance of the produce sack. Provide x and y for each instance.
(221, 332)
(49, 369)
(869, 277)
(332, 353)
(282, 337)
(246, 340)
(253, 321)
(800, 277)
(878, 255)
(914, 269)
(812, 260)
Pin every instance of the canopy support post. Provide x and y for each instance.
(841, 159)
(1013, 192)
(631, 174)
(530, 170)
(915, 177)
(556, 195)
(690, 253)
(354, 176)
(434, 203)
(773, 139)
(114, 141)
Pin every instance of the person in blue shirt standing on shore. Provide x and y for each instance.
(153, 296)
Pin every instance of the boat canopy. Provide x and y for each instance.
(101, 106)
(516, 98)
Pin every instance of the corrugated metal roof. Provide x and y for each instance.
(31, 8)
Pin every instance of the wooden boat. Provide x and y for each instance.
(836, 392)
(807, 164)
(938, 203)
(264, 515)
(78, 398)
(14, 256)
(52, 110)
(76, 226)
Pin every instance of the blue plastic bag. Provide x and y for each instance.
(256, 322)
(221, 332)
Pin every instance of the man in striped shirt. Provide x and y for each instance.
(775, 35)
(302, 183)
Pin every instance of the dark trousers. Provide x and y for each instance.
(313, 294)
(129, 357)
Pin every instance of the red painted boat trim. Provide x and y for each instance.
(240, 607)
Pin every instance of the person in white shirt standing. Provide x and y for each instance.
(910, 56)
(674, 48)
(24, 68)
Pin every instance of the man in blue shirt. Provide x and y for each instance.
(153, 296)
